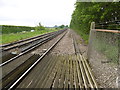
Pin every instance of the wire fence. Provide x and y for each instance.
(104, 45)
(114, 25)
(106, 42)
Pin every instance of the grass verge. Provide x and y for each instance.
(8, 38)
(84, 36)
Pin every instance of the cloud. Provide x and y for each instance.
(31, 12)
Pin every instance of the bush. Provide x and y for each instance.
(39, 28)
(6, 29)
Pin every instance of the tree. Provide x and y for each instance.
(87, 12)
(62, 26)
(56, 27)
(66, 26)
(39, 27)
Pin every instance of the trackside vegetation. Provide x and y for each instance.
(7, 29)
(98, 12)
(10, 33)
(8, 38)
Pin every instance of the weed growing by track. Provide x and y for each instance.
(83, 35)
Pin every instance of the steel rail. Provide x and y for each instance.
(24, 45)
(24, 52)
(9, 44)
(55, 33)
(15, 46)
(29, 49)
(5, 80)
(33, 65)
(27, 41)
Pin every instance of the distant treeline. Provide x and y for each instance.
(98, 12)
(6, 29)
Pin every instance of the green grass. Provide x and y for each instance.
(8, 38)
(84, 36)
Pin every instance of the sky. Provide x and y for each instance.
(31, 12)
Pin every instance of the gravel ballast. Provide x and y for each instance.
(65, 46)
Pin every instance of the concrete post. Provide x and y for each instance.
(92, 29)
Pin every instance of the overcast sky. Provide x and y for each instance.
(31, 12)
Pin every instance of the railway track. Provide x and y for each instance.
(71, 71)
(62, 71)
(8, 56)
(19, 43)
(10, 77)
(12, 49)
(53, 71)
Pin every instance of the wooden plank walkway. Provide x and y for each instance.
(57, 71)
